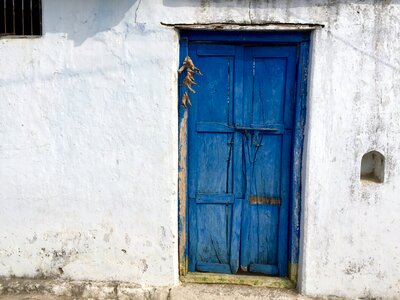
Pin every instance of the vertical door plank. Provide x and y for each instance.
(211, 158)
(269, 96)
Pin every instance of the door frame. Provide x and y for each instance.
(301, 39)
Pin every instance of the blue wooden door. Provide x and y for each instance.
(239, 157)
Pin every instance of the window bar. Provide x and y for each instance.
(31, 12)
(13, 10)
(40, 17)
(23, 17)
(5, 17)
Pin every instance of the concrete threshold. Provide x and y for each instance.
(24, 289)
(252, 280)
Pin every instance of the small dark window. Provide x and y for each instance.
(21, 17)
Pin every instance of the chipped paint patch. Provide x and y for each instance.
(182, 180)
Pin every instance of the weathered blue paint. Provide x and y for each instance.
(297, 153)
(243, 36)
(210, 152)
(243, 137)
(268, 103)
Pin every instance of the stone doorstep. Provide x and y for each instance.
(23, 289)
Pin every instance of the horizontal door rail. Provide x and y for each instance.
(265, 269)
(270, 128)
(213, 127)
(213, 267)
(215, 199)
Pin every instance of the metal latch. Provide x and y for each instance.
(264, 200)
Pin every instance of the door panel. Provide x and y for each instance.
(261, 220)
(213, 225)
(239, 161)
(269, 86)
(268, 80)
(211, 163)
(214, 169)
(265, 165)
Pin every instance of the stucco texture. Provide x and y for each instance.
(88, 141)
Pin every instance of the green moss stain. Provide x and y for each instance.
(183, 266)
(293, 273)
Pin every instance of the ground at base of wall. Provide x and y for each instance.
(232, 292)
(24, 289)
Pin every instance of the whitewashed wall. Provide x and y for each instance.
(88, 141)
(88, 153)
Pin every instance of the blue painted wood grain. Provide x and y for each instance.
(242, 36)
(238, 178)
(212, 267)
(211, 147)
(268, 87)
(264, 268)
(297, 151)
(213, 237)
(235, 235)
(193, 241)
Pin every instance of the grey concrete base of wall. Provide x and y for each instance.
(32, 289)
(80, 289)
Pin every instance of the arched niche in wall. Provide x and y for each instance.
(373, 167)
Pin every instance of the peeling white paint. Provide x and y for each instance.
(88, 141)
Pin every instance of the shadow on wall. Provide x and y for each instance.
(80, 20)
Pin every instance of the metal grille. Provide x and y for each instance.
(21, 17)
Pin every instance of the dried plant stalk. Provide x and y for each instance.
(189, 80)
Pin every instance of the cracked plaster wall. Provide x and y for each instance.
(88, 141)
